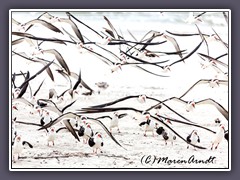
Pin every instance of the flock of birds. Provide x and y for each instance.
(134, 53)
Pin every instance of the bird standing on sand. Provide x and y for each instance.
(149, 124)
(86, 132)
(46, 119)
(17, 147)
(96, 142)
(193, 138)
(114, 122)
(166, 134)
(51, 136)
(218, 137)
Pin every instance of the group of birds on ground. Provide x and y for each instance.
(133, 53)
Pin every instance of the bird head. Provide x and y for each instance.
(52, 129)
(15, 107)
(99, 135)
(18, 138)
(222, 127)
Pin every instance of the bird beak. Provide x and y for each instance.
(169, 121)
(14, 107)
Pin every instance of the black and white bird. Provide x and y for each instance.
(46, 119)
(193, 138)
(17, 147)
(218, 137)
(86, 132)
(166, 134)
(149, 124)
(96, 142)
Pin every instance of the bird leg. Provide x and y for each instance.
(188, 147)
(217, 146)
(165, 142)
(119, 131)
(153, 134)
(145, 134)
(212, 146)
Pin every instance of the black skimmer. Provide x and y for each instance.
(212, 83)
(114, 122)
(69, 115)
(18, 146)
(51, 106)
(192, 19)
(149, 123)
(101, 110)
(58, 57)
(166, 134)
(41, 61)
(141, 98)
(55, 19)
(218, 137)
(210, 61)
(46, 119)
(96, 142)
(35, 75)
(51, 136)
(190, 105)
(193, 138)
(34, 109)
(86, 132)
(25, 26)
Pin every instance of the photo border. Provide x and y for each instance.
(125, 169)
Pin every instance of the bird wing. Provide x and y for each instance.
(52, 92)
(44, 23)
(28, 123)
(190, 54)
(74, 28)
(25, 142)
(39, 72)
(201, 81)
(67, 106)
(106, 130)
(70, 128)
(115, 34)
(22, 100)
(114, 102)
(143, 123)
(78, 81)
(189, 138)
(35, 93)
(50, 105)
(219, 107)
(68, 115)
(175, 44)
(59, 58)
